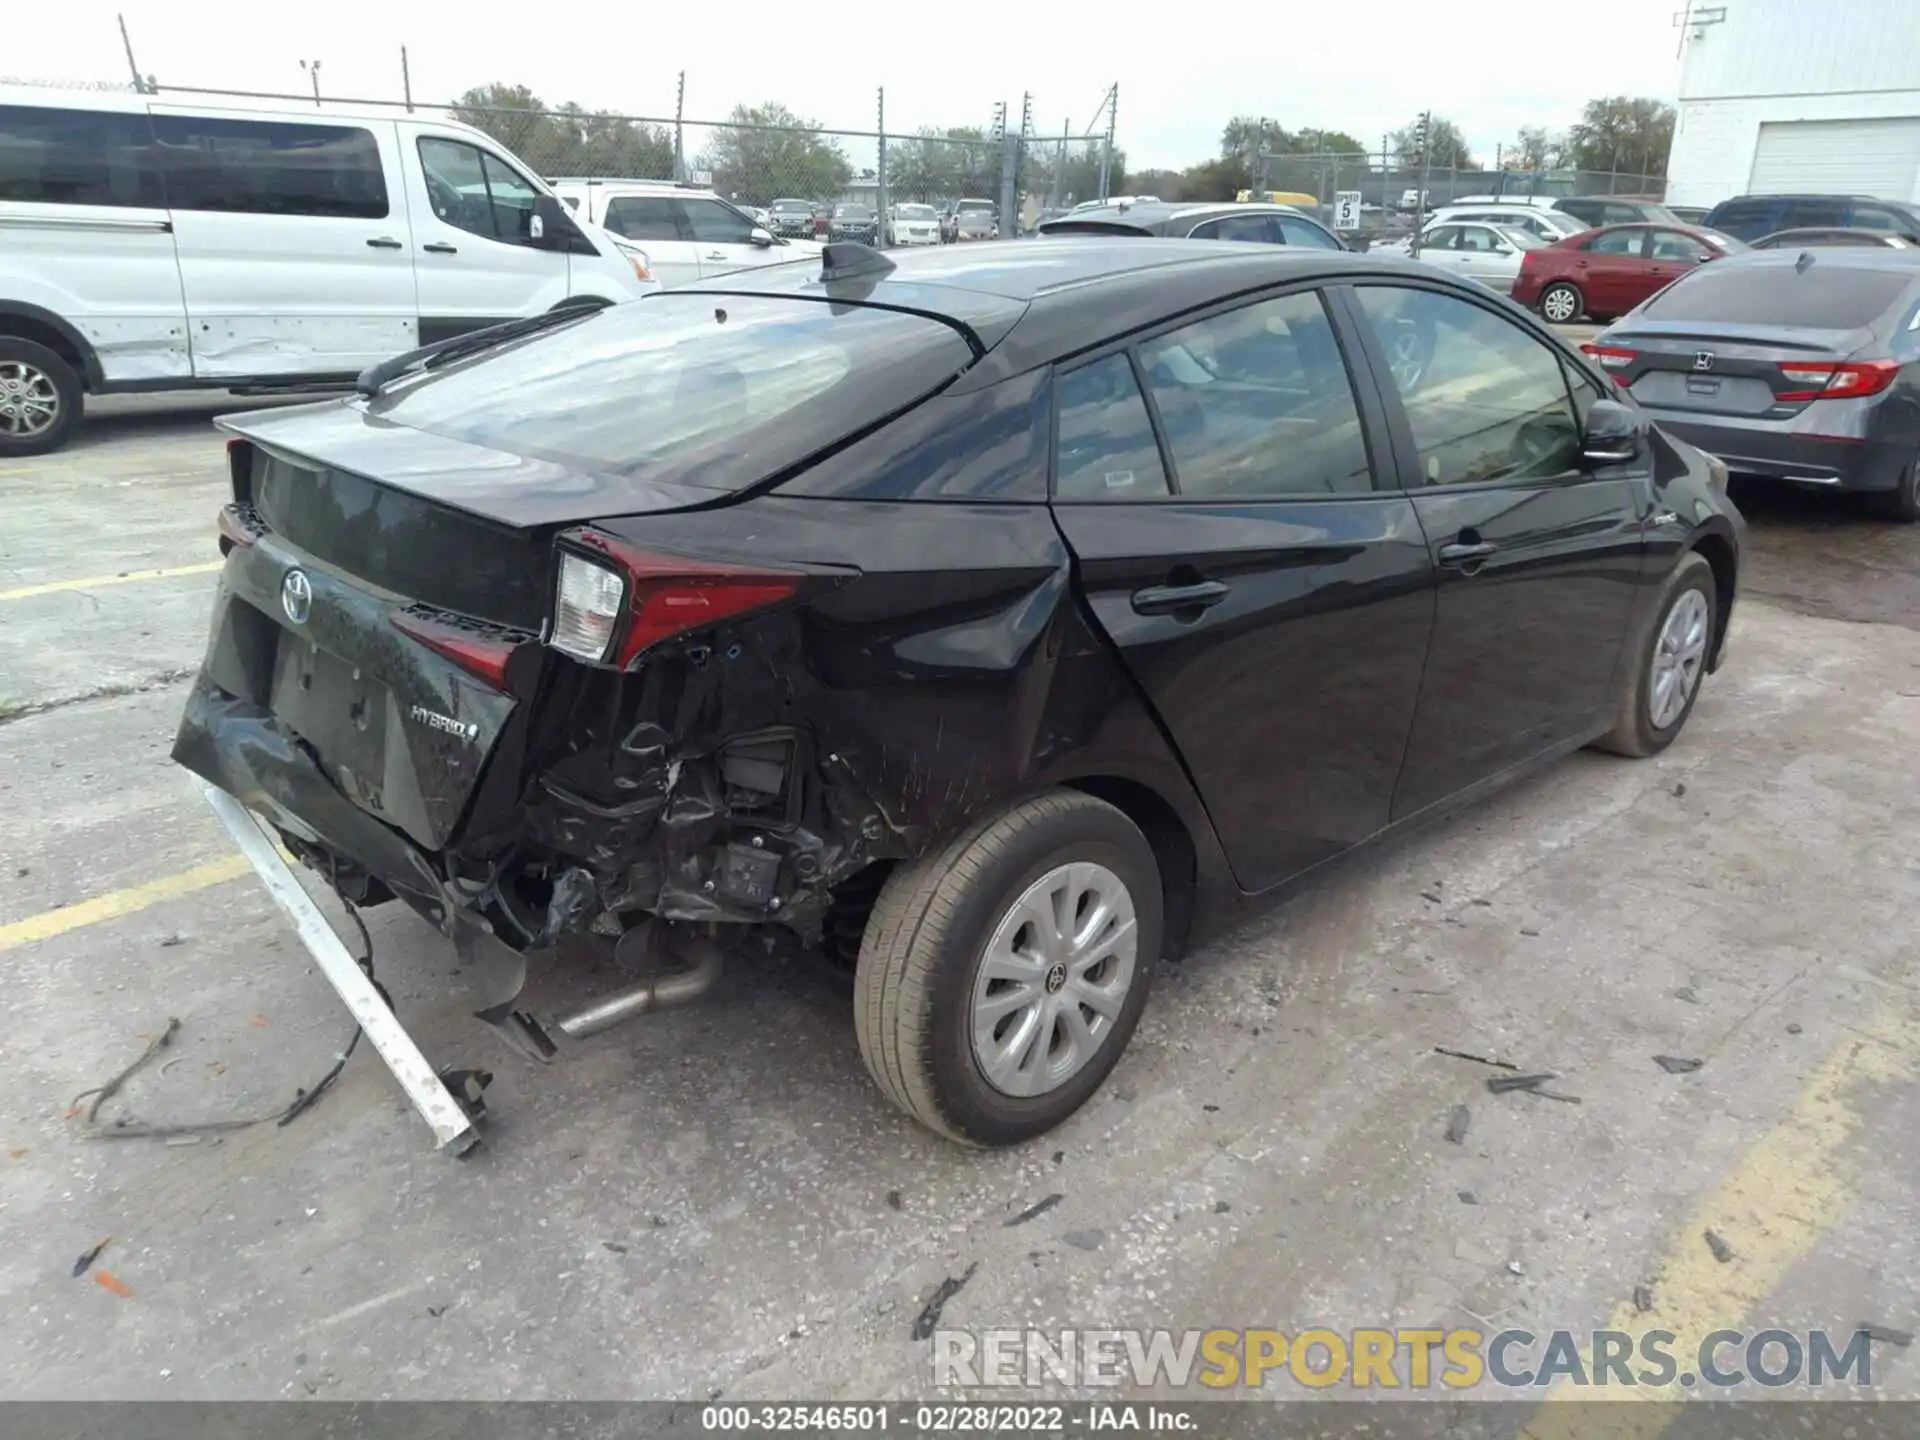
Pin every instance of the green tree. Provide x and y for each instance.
(944, 165)
(1324, 142)
(767, 152)
(1076, 176)
(1622, 133)
(568, 140)
(1446, 145)
(1535, 148)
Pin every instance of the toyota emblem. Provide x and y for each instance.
(296, 596)
(1703, 359)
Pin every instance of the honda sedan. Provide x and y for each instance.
(1001, 621)
(1607, 272)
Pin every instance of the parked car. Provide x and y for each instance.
(169, 247)
(1597, 210)
(1545, 224)
(911, 224)
(1832, 239)
(1484, 252)
(1114, 200)
(1690, 214)
(687, 232)
(1798, 365)
(973, 220)
(1607, 272)
(851, 220)
(1749, 217)
(1026, 727)
(792, 218)
(1258, 223)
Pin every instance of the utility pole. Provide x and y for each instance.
(880, 220)
(406, 79)
(1106, 153)
(679, 129)
(1422, 131)
(313, 70)
(140, 86)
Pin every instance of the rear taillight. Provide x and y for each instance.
(1612, 358)
(608, 611)
(240, 467)
(233, 529)
(1831, 380)
(484, 655)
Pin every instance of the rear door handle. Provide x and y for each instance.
(384, 242)
(1460, 553)
(440, 248)
(1171, 599)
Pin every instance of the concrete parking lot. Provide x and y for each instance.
(716, 1201)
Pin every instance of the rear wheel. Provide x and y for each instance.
(1562, 302)
(40, 398)
(1901, 504)
(1001, 976)
(1669, 660)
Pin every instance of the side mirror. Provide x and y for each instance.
(760, 236)
(548, 226)
(1613, 435)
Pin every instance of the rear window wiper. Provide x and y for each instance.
(375, 377)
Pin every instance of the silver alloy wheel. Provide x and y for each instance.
(1559, 305)
(1678, 657)
(29, 400)
(1053, 979)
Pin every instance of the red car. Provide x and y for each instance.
(1606, 272)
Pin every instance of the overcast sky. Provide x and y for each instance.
(1183, 68)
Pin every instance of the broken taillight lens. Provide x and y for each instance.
(609, 612)
(483, 655)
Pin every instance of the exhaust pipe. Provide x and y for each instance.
(659, 992)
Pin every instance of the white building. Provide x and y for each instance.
(1819, 96)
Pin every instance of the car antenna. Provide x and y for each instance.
(1800, 265)
(849, 259)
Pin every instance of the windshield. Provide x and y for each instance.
(1820, 297)
(792, 207)
(976, 207)
(852, 212)
(914, 212)
(686, 389)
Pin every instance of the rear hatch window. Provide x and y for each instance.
(1824, 297)
(717, 391)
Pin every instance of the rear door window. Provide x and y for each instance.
(687, 389)
(1616, 242)
(1814, 210)
(261, 167)
(1821, 297)
(1677, 245)
(1106, 449)
(1297, 231)
(648, 217)
(715, 224)
(1255, 228)
(77, 157)
(1746, 219)
(1255, 404)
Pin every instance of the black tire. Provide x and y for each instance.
(1901, 504)
(927, 937)
(39, 366)
(1634, 734)
(1566, 288)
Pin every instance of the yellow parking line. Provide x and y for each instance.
(116, 903)
(94, 582)
(1788, 1191)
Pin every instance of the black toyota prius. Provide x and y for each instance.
(999, 620)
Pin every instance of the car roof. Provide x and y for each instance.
(1057, 298)
(1851, 257)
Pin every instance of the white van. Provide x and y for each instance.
(688, 232)
(151, 246)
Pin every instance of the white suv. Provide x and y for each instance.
(688, 233)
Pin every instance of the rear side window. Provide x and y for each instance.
(647, 217)
(1254, 228)
(77, 157)
(261, 167)
(1106, 446)
(1821, 297)
(1295, 231)
(713, 391)
(1255, 404)
(1616, 242)
(1746, 219)
(1818, 210)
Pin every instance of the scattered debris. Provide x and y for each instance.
(929, 1317)
(1084, 1239)
(894, 1200)
(886, 1307)
(1677, 1065)
(176, 938)
(659, 1222)
(1722, 1251)
(1902, 1338)
(87, 1257)
(1221, 1207)
(178, 1140)
(1680, 790)
(23, 872)
(1482, 900)
(436, 1311)
(1529, 930)
(1058, 1156)
(260, 1022)
(1477, 1059)
(1793, 1028)
(614, 1245)
(1467, 1197)
(1502, 1084)
(107, 1280)
(1457, 1124)
(1125, 1094)
(1688, 994)
(100, 1094)
(16, 1154)
(1643, 1298)
(1429, 897)
(1039, 1207)
(1210, 1109)
(1514, 1267)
